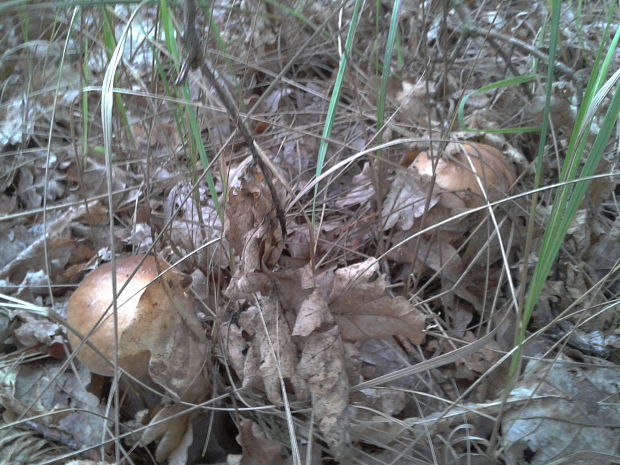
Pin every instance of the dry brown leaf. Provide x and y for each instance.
(271, 355)
(313, 314)
(360, 191)
(170, 433)
(49, 390)
(312, 304)
(93, 175)
(323, 367)
(30, 254)
(250, 207)
(363, 310)
(473, 365)
(239, 354)
(253, 230)
(406, 200)
(257, 449)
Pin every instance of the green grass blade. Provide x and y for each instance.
(513, 81)
(525, 312)
(194, 128)
(333, 103)
(569, 197)
(385, 73)
(574, 195)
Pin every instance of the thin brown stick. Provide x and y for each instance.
(195, 58)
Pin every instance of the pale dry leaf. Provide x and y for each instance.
(94, 176)
(34, 330)
(570, 408)
(295, 285)
(35, 283)
(313, 314)
(323, 367)
(8, 204)
(253, 230)
(380, 357)
(240, 355)
(274, 349)
(477, 363)
(437, 255)
(27, 191)
(197, 222)
(18, 122)
(363, 310)
(257, 449)
(245, 285)
(179, 352)
(406, 200)
(250, 206)
(139, 236)
(46, 387)
(605, 252)
(360, 191)
(60, 245)
(172, 432)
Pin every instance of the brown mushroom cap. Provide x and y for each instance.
(463, 168)
(146, 313)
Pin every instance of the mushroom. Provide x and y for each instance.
(464, 170)
(159, 334)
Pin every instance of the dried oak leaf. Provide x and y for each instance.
(250, 210)
(363, 310)
(406, 201)
(323, 367)
(270, 354)
(323, 361)
(564, 409)
(437, 255)
(253, 230)
(360, 191)
(194, 222)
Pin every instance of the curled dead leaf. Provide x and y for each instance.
(253, 229)
(322, 365)
(363, 310)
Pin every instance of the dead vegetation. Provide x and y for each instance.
(351, 294)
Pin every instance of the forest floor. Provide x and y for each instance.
(362, 210)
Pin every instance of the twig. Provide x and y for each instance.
(196, 59)
(473, 29)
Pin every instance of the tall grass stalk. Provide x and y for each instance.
(195, 136)
(571, 192)
(333, 103)
(568, 197)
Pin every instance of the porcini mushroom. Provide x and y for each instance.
(159, 334)
(467, 172)
(139, 319)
